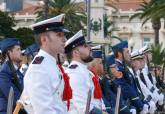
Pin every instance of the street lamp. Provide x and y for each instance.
(131, 43)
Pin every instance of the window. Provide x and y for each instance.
(146, 41)
(124, 38)
(96, 0)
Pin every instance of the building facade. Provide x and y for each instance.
(119, 11)
(133, 31)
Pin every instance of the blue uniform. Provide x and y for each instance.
(109, 98)
(128, 87)
(6, 81)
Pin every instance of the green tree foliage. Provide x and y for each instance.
(109, 28)
(158, 54)
(75, 17)
(26, 36)
(6, 24)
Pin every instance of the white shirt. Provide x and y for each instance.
(143, 87)
(23, 68)
(149, 84)
(81, 83)
(145, 73)
(43, 86)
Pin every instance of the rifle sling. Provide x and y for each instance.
(15, 78)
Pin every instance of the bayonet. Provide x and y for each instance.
(88, 101)
(118, 100)
(10, 101)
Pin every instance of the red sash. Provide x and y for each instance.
(67, 93)
(97, 88)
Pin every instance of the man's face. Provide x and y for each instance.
(136, 64)
(15, 54)
(62, 58)
(85, 53)
(156, 71)
(126, 54)
(149, 54)
(142, 63)
(99, 66)
(55, 42)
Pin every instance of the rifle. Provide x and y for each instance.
(138, 84)
(105, 66)
(88, 101)
(118, 100)
(10, 101)
(125, 73)
(19, 105)
(104, 57)
(149, 69)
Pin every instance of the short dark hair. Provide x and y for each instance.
(4, 53)
(38, 39)
(69, 56)
(116, 52)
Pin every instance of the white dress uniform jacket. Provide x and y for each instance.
(159, 97)
(146, 92)
(145, 73)
(81, 83)
(44, 85)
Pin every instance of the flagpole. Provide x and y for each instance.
(88, 3)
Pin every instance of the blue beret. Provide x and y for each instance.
(9, 42)
(110, 60)
(96, 53)
(121, 45)
(30, 50)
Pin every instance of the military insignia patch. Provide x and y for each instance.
(73, 66)
(38, 60)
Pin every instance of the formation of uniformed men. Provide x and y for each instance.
(59, 76)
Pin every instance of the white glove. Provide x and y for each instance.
(155, 96)
(145, 109)
(161, 98)
(152, 107)
(133, 111)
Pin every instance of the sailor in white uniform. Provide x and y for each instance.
(44, 83)
(79, 52)
(148, 77)
(138, 64)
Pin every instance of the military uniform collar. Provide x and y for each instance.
(15, 66)
(79, 64)
(119, 61)
(45, 54)
(138, 72)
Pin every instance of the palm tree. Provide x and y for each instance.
(158, 55)
(75, 17)
(147, 12)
